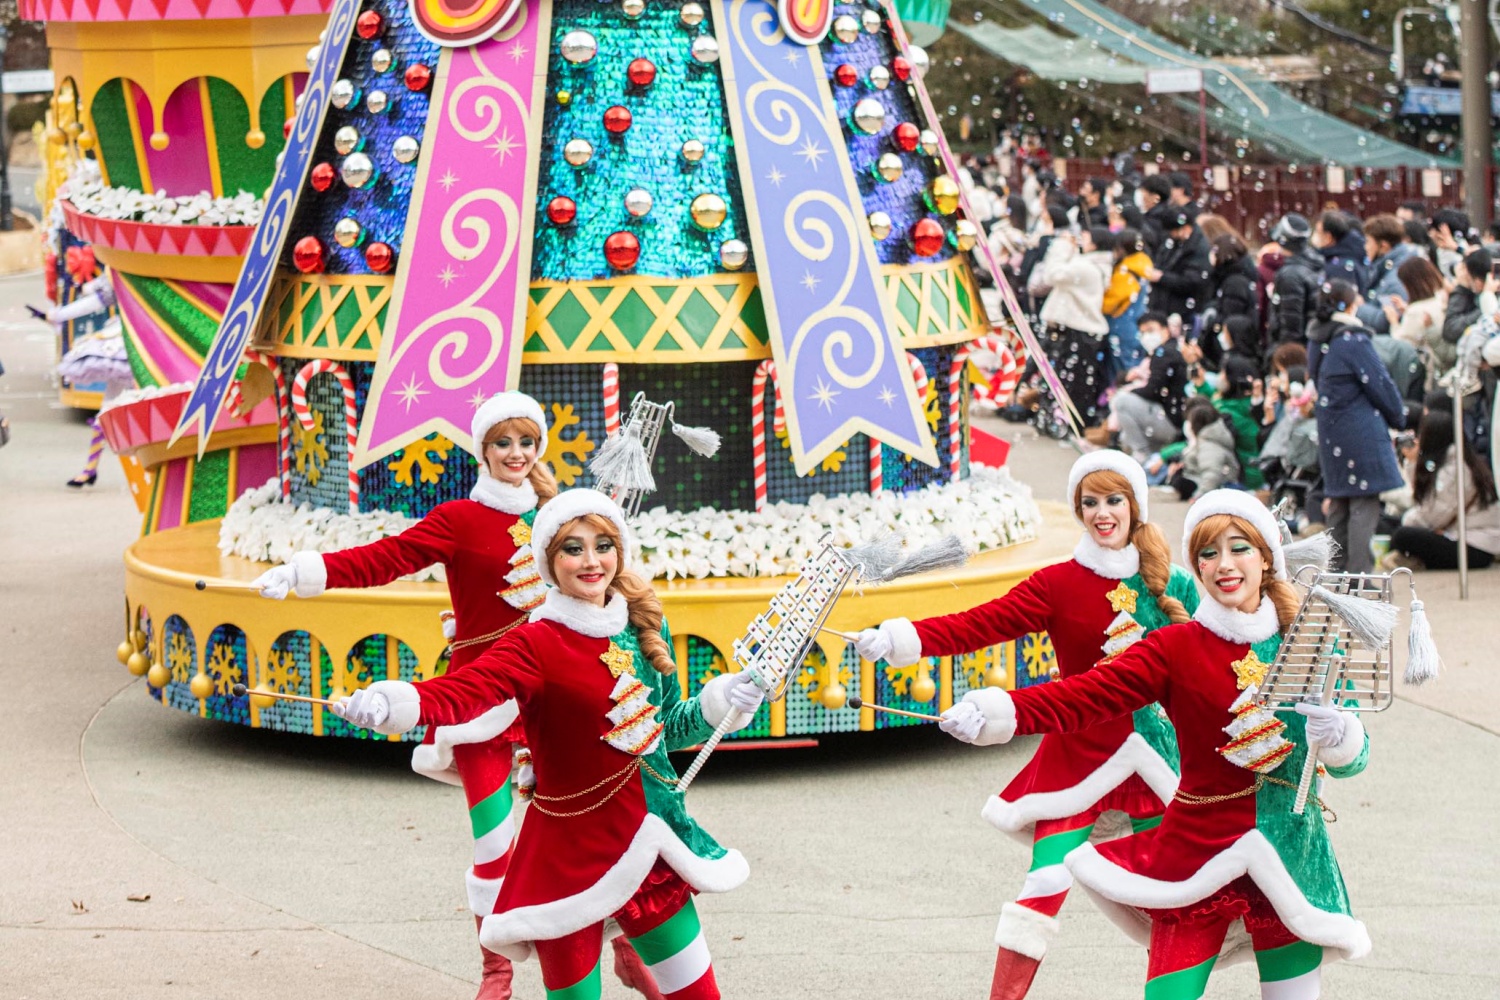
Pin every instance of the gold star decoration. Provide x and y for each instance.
(619, 661)
(1122, 598)
(1249, 670)
(520, 534)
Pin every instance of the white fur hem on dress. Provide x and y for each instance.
(435, 760)
(1135, 756)
(511, 932)
(1119, 892)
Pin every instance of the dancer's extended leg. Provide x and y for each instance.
(484, 769)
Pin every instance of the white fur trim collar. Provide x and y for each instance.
(504, 497)
(1106, 460)
(583, 617)
(1112, 564)
(1237, 626)
(511, 932)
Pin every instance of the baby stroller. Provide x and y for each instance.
(1294, 475)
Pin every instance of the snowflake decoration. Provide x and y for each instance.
(1036, 651)
(425, 457)
(281, 671)
(977, 665)
(224, 667)
(815, 676)
(563, 454)
(353, 675)
(310, 447)
(901, 677)
(716, 668)
(179, 657)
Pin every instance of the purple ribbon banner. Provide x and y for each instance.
(840, 364)
(247, 302)
(458, 311)
(1007, 294)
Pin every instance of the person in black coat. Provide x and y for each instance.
(1180, 282)
(1235, 295)
(1157, 211)
(1343, 250)
(1358, 406)
(1295, 289)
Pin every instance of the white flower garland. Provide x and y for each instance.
(989, 510)
(91, 196)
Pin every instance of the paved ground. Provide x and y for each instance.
(307, 868)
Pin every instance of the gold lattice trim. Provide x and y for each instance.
(310, 316)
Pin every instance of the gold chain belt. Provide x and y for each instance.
(454, 647)
(620, 778)
(1189, 799)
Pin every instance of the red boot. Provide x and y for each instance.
(1013, 975)
(1023, 935)
(494, 984)
(630, 970)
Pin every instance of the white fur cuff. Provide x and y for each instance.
(713, 699)
(1349, 747)
(906, 647)
(312, 574)
(405, 703)
(1025, 931)
(999, 713)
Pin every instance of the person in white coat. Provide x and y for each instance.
(1077, 269)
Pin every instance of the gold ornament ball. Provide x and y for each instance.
(160, 141)
(869, 116)
(995, 677)
(966, 234)
(944, 195)
(578, 152)
(260, 697)
(633, 8)
(692, 14)
(845, 28)
(72, 129)
(833, 697)
(564, 97)
(85, 140)
(870, 21)
(139, 638)
(929, 142)
(57, 136)
(255, 138)
(138, 663)
(201, 686)
(924, 689)
(123, 651)
(890, 167)
(348, 232)
(880, 225)
(693, 150)
(158, 676)
(708, 212)
(733, 254)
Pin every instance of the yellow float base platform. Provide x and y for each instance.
(195, 645)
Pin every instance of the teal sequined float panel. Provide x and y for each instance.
(805, 714)
(685, 101)
(902, 474)
(226, 660)
(704, 664)
(179, 654)
(367, 662)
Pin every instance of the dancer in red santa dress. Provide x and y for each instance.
(1119, 585)
(484, 543)
(1229, 847)
(608, 835)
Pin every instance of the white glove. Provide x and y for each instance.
(364, 708)
(449, 623)
(744, 695)
(963, 722)
(1325, 724)
(276, 582)
(873, 644)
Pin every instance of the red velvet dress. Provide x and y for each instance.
(1106, 762)
(492, 582)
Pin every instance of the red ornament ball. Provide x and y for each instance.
(617, 120)
(641, 72)
(286, 128)
(907, 136)
(369, 25)
(845, 75)
(901, 67)
(322, 177)
(308, 255)
(562, 211)
(926, 238)
(379, 257)
(622, 250)
(417, 77)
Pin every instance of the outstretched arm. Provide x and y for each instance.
(901, 642)
(430, 540)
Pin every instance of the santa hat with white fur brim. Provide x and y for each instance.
(1239, 504)
(1108, 460)
(567, 506)
(503, 406)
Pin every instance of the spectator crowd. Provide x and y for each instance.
(1318, 368)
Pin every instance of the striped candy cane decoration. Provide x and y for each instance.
(955, 410)
(310, 371)
(233, 400)
(611, 398)
(877, 468)
(766, 370)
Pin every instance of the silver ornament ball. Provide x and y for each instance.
(578, 46)
(733, 254)
(869, 116)
(346, 140)
(706, 49)
(845, 28)
(379, 102)
(357, 170)
(340, 95)
(691, 14)
(405, 149)
(638, 202)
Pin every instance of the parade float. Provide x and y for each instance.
(744, 211)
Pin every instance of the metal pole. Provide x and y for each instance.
(1474, 62)
(1203, 132)
(7, 218)
(1460, 480)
